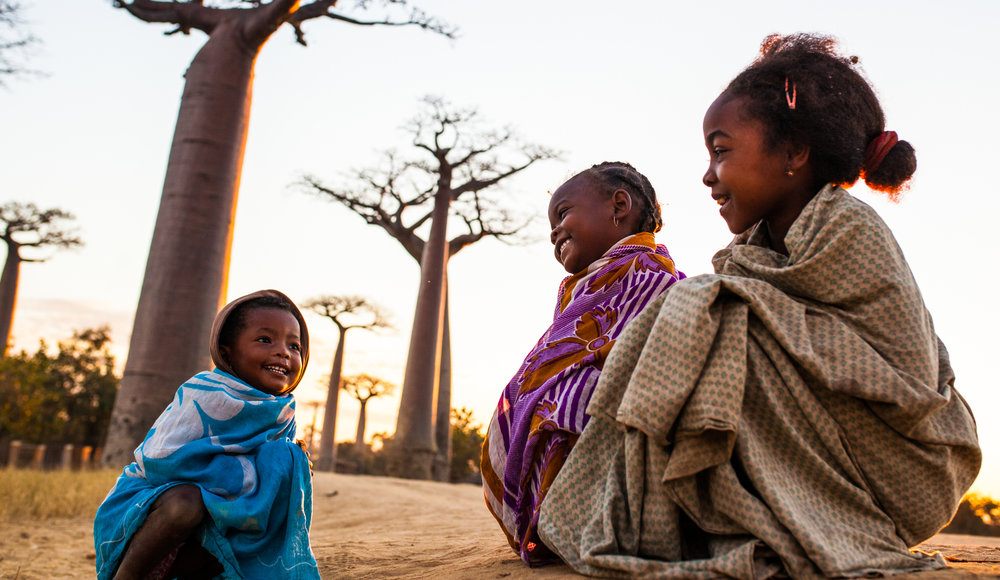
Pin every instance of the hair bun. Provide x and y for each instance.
(889, 164)
(878, 149)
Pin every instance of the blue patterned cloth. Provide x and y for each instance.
(235, 443)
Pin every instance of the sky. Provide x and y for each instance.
(627, 81)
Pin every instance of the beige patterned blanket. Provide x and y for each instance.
(786, 415)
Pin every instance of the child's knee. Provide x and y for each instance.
(181, 506)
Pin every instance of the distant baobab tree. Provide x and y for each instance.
(455, 164)
(346, 312)
(187, 268)
(13, 40)
(365, 388)
(24, 225)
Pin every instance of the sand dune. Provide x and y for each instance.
(379, 527)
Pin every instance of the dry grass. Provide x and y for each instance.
(39, 495)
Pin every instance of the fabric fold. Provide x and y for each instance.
(255, 482)
(542, 409)
(787, 413)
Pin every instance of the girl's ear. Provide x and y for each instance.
(224, 351)
(798, 156)
(622, 202)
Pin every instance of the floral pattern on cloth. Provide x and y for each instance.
(236, 444)
(787, 416)
(541, 411)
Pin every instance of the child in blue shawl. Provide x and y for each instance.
(219, 488)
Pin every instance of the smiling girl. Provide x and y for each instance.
(603, 221)
(218, 487)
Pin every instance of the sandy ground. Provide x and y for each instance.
(378, 527)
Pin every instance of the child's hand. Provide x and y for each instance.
(301, 443)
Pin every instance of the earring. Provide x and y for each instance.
(789, 173)
(615, 219)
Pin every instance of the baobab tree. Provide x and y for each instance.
(365, 388)
(13, 40)
(455, 165)
(186, 272)
(346, 312)
(26, 226)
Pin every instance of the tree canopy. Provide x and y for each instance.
(25, 225)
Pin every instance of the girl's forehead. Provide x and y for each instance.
(268, 314)
(577, 186)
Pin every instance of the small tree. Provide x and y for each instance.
(456, 164)
(365, 388)
(467, 446)
(346, 312)
(25, 226)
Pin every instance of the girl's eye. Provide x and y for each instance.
(718, 151)
(296, 347)
(264, 339)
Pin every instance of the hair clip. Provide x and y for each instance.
(790, 99)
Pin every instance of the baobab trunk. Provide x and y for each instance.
(8, 294)
(327, 447)
(415, 437)
(442, 426)
(187, 269)
(359, 437)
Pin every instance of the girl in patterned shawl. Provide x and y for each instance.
(793, 414)
(603, 220)
(218, 487)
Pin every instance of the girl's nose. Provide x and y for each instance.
(709, 178)
(554, 235)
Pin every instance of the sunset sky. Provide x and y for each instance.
(597, 81)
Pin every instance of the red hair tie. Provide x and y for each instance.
(878, 149)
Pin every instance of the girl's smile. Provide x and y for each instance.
(267, 352)
(750, 180)
(583, 223)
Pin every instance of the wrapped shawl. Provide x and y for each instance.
(236, 443)
(787, 414)
(541, 411)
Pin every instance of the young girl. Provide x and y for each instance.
(218, 487)
(793, 414)
(603, 221)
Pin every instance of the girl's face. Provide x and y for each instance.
(582, 220)
(267, 352)
(749, 180)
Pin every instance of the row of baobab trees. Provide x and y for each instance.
(447, 178)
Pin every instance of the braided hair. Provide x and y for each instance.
(804, 92)
(616, 175)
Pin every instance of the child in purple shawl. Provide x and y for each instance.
(603, 220)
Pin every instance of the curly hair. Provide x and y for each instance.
(804, 92)
(621, 175)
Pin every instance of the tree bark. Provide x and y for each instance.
(442, 426)
(8, 294)
(327, 444)
(187, 269)
(415, 435)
